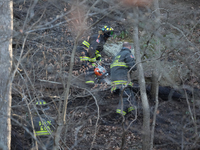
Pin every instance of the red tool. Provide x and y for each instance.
(99, 71)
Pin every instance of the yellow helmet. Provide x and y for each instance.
(108, 31)
(42, 105)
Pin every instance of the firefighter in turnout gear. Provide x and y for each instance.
(43, 128)
(90, 54)
(119, 68)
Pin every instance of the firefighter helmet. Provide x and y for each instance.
(108, 31)
(42, 105)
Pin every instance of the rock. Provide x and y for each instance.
(50, 68)
(112, 49)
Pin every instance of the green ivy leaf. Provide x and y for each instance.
(114, 36)
(122, 34)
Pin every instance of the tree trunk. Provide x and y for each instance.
(154, 85)
(156, 71)
(155, 96)
(141, 79)
(6, 27)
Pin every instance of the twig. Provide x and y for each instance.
(96, 121)
(32, 124)
(155, 113)
(53, 82)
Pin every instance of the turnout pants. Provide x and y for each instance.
(87, 65)
(90, 75)
(127, 103)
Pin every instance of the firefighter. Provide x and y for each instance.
(119, 68)
(43, 126)
(90, 55)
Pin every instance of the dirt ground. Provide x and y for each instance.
(173, 125)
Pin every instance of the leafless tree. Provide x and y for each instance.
(6, 24)
(145, 103)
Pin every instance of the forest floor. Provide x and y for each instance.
(92, 118)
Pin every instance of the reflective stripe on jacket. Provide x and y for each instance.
(123, 82)
(42, 127)
(115, 64)
(85, 58)
(38, 133)
(119, 84)
(120, 66)
(86, 44)
(95, 46)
